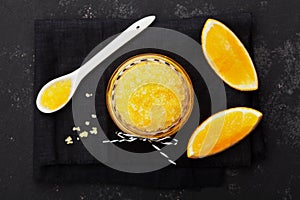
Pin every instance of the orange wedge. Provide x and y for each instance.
(222, 130)
(228, 57)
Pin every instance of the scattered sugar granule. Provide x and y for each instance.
(94, 116)
(94, 130)
(76, 128)
(84, 134)
(88, 95)
(87, 123)
(77, 138)
(69, 140)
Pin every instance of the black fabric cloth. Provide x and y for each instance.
(61, 46)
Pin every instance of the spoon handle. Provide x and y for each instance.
(114, 45)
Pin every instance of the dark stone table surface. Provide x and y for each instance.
(276, 41)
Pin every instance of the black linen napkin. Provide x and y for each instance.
(61, 46)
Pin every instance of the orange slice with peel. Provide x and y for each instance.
(228, 57)
(222, 130)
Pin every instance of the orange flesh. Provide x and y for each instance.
(233, 131)
(228, 57)
(222, 131)
(56, 94)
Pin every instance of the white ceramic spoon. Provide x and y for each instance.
(77, 75)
